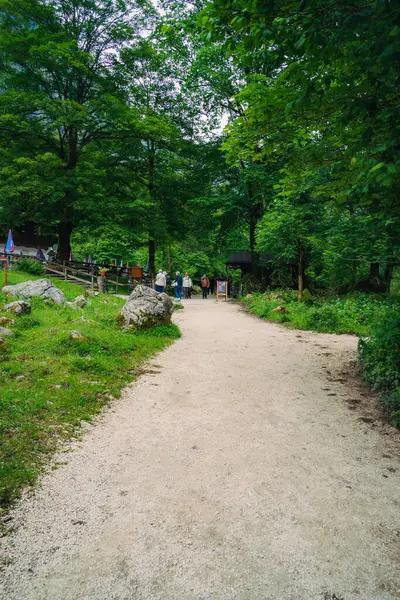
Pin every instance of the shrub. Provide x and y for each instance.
(380, 358)
(335, 314)
(250, 284)
(29, 265)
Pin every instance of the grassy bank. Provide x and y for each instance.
(50, 382)
(376, 319)
(354, 313)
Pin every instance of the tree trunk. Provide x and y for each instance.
(64, 241)
(152, 245)
(374, 270)
(300, 273)
(152, 257)
(353, 273)
(253, 218)
(388, 274)
(169, 260)
(65, 227)
(255, 269)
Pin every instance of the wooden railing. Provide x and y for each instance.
(88, 275)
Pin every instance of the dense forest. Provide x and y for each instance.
(180, 132)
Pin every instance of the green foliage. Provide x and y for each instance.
(250, 284)
(380, 359)
(317, 111)
(354, 313)
(29, 265)
(50, 383)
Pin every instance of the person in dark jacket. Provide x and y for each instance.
(178, 286)
(212, 285)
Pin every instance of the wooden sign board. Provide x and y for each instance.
(137, 273)
(222, 290)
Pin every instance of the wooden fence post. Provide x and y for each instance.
(6, 271)
(101, 283)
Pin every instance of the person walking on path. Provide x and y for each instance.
(187, 286)
(167, 281)
(178, 285)
(205, 284)
(212, 285)
(161, 281)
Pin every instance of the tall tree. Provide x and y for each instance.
(60, 100)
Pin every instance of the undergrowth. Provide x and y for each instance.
(50, 383)
(380, 358)
(353, 313)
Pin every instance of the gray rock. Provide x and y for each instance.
(79, 302)
(76, 335)
(19, 308)
(42, 288)
(280, 309)
(83, 319)
(6, 321)
(146, 308)
(5, 331)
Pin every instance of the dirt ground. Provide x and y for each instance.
(245, 464)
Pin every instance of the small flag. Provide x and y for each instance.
(40, 255)
(9, 247)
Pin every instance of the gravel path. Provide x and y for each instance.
(241, 466)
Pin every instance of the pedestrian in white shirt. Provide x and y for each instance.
(161, 281)
(187, 286)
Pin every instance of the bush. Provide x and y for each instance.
(29, 265)
(353, 313)
(380, 358)
(250, 284)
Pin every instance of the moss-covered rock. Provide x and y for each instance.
(145, 308)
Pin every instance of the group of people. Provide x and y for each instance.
(182, 285)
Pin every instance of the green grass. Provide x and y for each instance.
(50, 383)
(353, 313)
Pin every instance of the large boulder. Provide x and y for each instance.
(43, 288)
(146, 308)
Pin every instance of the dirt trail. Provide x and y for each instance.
(233, 470)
